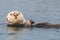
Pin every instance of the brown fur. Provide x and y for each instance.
(47, 25)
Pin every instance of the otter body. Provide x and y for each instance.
(28, 23)
(47, 25)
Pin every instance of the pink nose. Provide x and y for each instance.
(15, 15)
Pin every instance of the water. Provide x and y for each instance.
(37, 10)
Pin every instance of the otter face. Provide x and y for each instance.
(14, 17)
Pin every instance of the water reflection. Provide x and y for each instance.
(12, 29)
(15, 33)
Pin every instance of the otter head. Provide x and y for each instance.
(15, 17)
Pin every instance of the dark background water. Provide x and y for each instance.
(37, 10)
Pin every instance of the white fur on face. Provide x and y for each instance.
(15, 17)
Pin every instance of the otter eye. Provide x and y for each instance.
(19, 13)
(10, 14)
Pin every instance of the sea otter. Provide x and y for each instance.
(16, 18)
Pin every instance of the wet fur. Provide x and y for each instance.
(47, 25)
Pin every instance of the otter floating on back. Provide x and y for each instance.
(16, 18)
